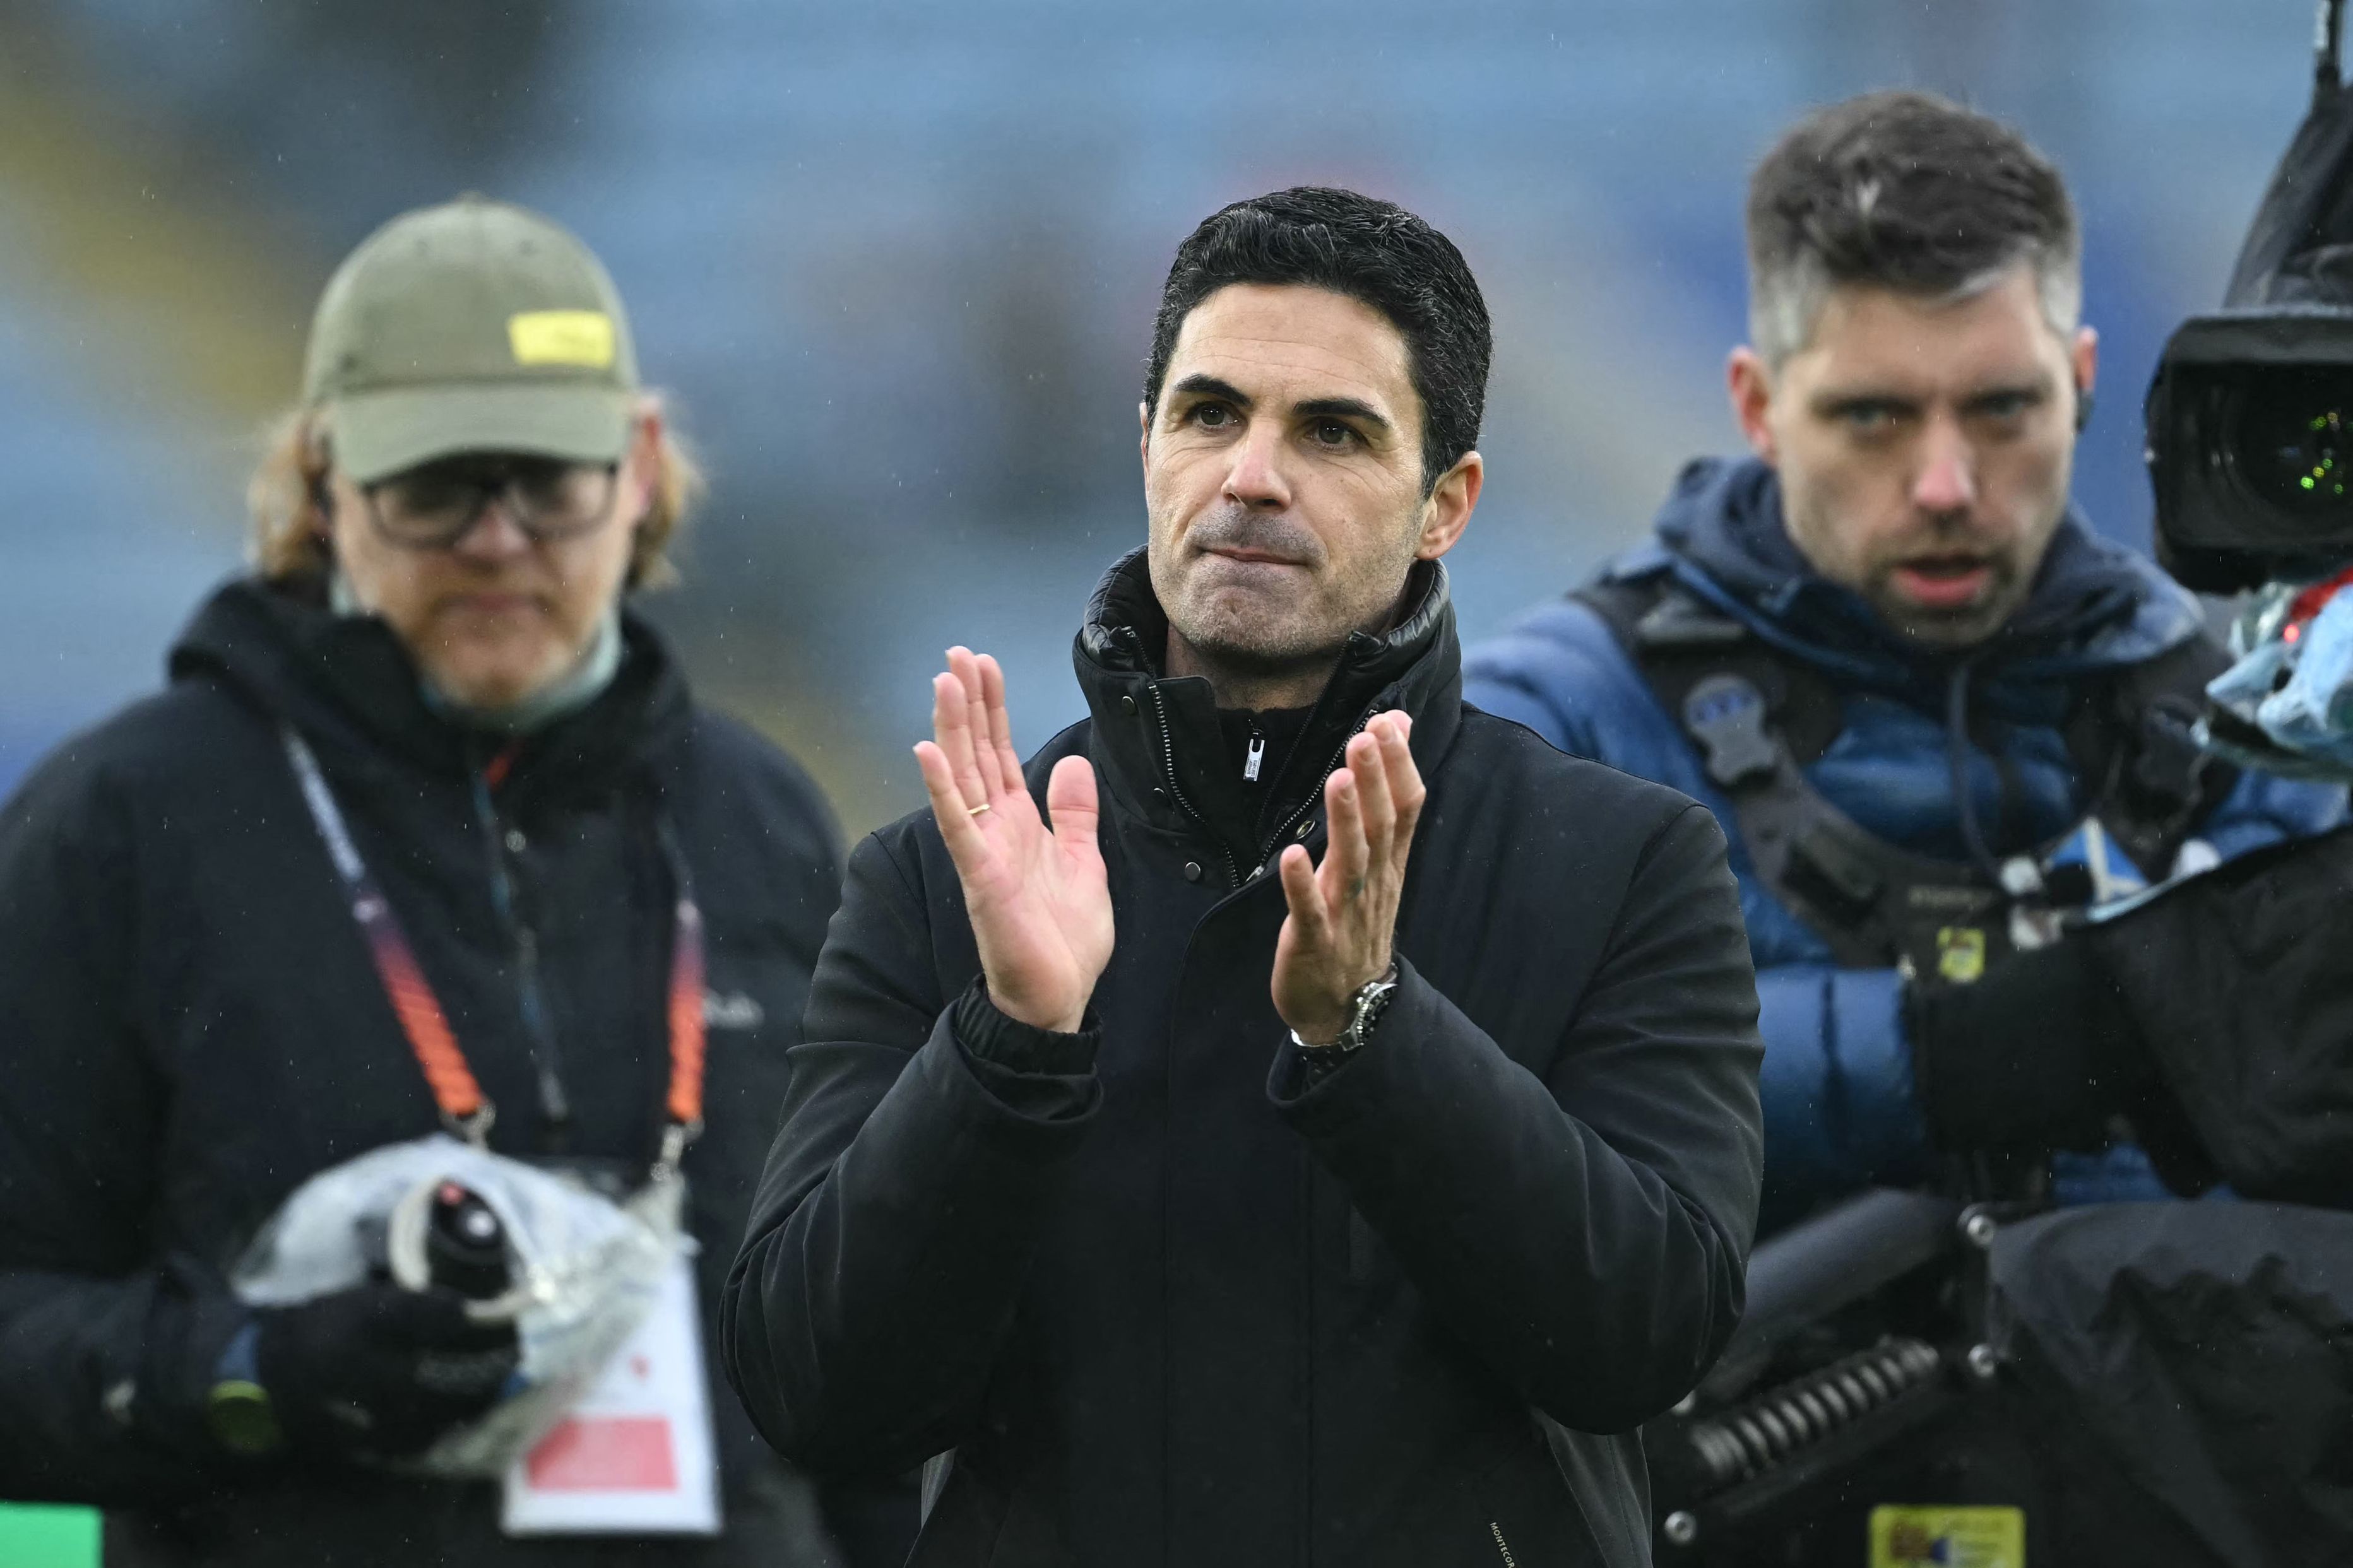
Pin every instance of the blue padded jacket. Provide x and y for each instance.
(1840, 1109)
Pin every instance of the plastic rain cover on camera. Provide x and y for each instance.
(2292, 694)
(587, 1271)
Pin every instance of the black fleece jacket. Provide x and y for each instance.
(1166, 1305)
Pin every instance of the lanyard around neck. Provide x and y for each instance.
(465, 1110)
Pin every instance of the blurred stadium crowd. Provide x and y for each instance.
(894, 264)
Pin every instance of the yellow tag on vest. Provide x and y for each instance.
(562, 337)
(1961, 955)
(1903, 1536)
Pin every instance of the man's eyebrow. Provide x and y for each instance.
(2034, 391)
(1341, 408)
(1834, 400)
(1211, 387)
(1852, 401)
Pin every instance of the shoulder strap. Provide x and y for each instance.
(1757, 716)
(2133, 738)
(1681, 644)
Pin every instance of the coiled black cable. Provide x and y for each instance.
(1750, 1439)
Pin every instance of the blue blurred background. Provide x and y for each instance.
(895, 263)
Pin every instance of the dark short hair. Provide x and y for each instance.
(1902, 191)
(1367, 249)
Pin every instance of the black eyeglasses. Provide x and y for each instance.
(435, 505)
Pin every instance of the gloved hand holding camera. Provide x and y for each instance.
(2214, 1019)
(2043, 1053)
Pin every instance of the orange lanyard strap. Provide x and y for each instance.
(686, 987)
(463, 1106)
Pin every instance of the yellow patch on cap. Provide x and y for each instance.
(562, 337)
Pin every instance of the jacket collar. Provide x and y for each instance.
(1155, 738)
(349, 687)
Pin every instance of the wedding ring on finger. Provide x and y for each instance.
(977, 810)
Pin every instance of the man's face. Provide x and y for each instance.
(1282, 475)
(496, 615)
(1923, 449)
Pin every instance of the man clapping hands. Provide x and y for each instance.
(1286, 1120)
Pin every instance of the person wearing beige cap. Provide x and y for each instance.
(462, 349)
(425, 834)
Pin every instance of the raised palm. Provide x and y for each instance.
(1037, 894)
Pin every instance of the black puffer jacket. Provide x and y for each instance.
(1169, 1308)
(190, 1027)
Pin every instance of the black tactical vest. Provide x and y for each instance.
(1759, 716)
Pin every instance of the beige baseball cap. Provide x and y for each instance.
(474, 326)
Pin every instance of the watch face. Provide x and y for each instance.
(1371, 1002)
(242, 1418)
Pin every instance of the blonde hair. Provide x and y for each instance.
(289, 532)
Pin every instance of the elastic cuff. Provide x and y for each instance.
(1295, 1073)
(1324, 1103)
(989, 1036)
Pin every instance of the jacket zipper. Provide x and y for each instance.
(1307, 1468)
(554, 1104)
(1307, 802)
(1169, 768)
(552, 1100)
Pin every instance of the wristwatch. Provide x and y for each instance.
(1364, 1010)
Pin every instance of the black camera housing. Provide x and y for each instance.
(2251, 447)
(2250, 416)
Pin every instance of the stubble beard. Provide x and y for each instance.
(1961, 626)
(1255, 641)
(1873, 580)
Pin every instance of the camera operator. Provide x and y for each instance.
(1934, 712)
(2227, 996)
(423, 793)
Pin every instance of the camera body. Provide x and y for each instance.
(2250, 416)
(2251, 447)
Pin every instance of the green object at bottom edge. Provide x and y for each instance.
(41, 1537)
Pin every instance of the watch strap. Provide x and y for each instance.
(1364, 1010)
